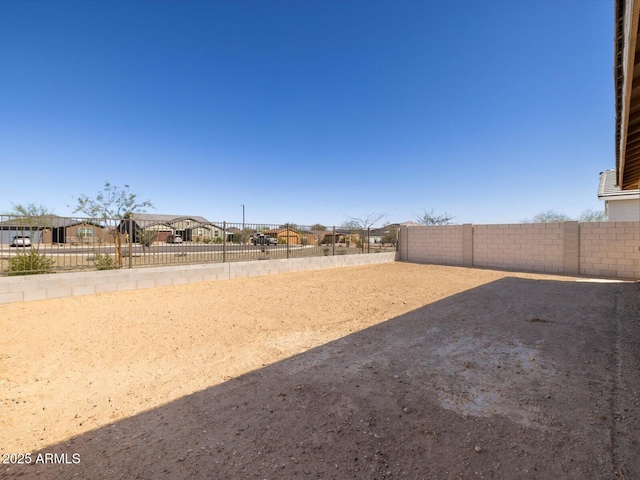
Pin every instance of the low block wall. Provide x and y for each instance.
(39, 287)
(605, 249)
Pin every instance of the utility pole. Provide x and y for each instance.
(242, 216)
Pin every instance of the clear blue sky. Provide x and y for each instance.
(309, 111)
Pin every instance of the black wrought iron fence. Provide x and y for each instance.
(50, 243)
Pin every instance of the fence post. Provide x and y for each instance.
(467, 244)
(368, 239)
(224, 241)
(333, 241)
(130, 236)
(287, 227)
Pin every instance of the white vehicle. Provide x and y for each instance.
(174, 239)
(21, 241)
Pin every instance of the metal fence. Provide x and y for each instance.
(48, 244)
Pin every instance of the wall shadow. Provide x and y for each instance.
(517, 378)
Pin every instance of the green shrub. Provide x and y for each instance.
(31, 263)
(104, 261)
(147, 237)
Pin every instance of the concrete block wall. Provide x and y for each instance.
(40, 287)
(606, 249)
(436, 244)
(533, 247)
(610, 249)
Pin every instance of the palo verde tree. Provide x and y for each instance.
(109, 207)
(33, 220)
(243, 236)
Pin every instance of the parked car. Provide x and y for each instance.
(262, 239)
(21, 241)
(174, 239)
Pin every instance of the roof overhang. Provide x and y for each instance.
(630, 196)
(627, 85)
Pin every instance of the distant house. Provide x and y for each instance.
(377, 235)
(339, 235)
(54, 229)
(71, 230)
(190, 228)
(233, 234)
(286, 235)
(619, 205)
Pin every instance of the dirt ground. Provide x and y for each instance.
(388, 371)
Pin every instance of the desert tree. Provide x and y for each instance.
(590, 215)
(390, 235)
(109, 208)
(548, 216)
(34, 217)
(350, 225)
(146, 238)
(432, 218)
(551, 216)
(363, 224)
(243, 236)
(319, 231)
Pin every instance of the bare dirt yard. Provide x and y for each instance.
(388, 371)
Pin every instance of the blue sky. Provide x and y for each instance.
(309, 111)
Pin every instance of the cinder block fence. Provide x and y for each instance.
(39, 287)
(605, 249)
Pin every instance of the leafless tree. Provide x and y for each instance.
(363, 224)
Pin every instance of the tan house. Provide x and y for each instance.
(285, 235)
(55, 229)
(340, 235)
(293, 237)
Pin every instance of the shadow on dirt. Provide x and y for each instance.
(517, 378)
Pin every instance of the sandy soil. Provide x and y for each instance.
(387, 371)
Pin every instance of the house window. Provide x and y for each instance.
(85, 233)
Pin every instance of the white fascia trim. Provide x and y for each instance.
(611, 198)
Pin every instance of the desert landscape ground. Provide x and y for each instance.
(390, 371)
